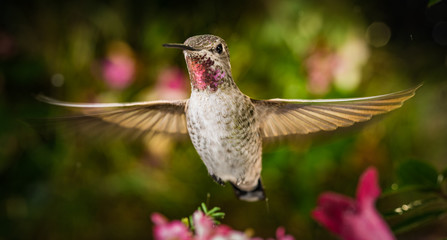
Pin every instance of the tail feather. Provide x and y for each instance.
(257, 194)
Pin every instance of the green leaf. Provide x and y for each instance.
(417, 173)
(219, 214)
(215, 209)
(443, 182)
(444, 174)
(412, 206)
(418, 220)
(205, 210)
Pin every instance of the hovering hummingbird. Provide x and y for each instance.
(227, 127)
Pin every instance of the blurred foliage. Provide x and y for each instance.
(59, 185)
(417, 173)
(419, 197)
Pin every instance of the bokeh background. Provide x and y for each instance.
(58, 185)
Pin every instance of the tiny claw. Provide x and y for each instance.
(217, 180)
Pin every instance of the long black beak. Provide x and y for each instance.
(179, 45)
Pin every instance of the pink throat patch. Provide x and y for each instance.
(203, 74)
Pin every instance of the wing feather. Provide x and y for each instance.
(281, 117)
(138, 118)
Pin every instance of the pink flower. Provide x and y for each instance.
(281, 234)
(321, 65)
(164, 230)
(203, 225)
(354, 219)
(171, 84)
(205, 229)
(118, 71)
(119, 66)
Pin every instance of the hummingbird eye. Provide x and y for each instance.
(219, 48)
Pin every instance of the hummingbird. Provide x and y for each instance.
(226, 126)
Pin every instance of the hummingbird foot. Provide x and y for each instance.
(217, 179)
(256, 194)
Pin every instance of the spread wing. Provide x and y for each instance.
(138, 118)
(280, 117)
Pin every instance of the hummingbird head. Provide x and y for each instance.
(208, 61)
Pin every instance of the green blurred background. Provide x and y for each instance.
(58, 185)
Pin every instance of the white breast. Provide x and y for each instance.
(223, 129)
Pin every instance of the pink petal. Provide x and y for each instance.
(368, 225)
(171, 84)
(203, 225)
(172, 78)
(164, 230)
(224, 232)
(368, 188)
(235, 235)
(281, 234)
(205, 229)
(118, 71)
(369, 220)
(331, 210)
(354, 220)
(158, 219)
